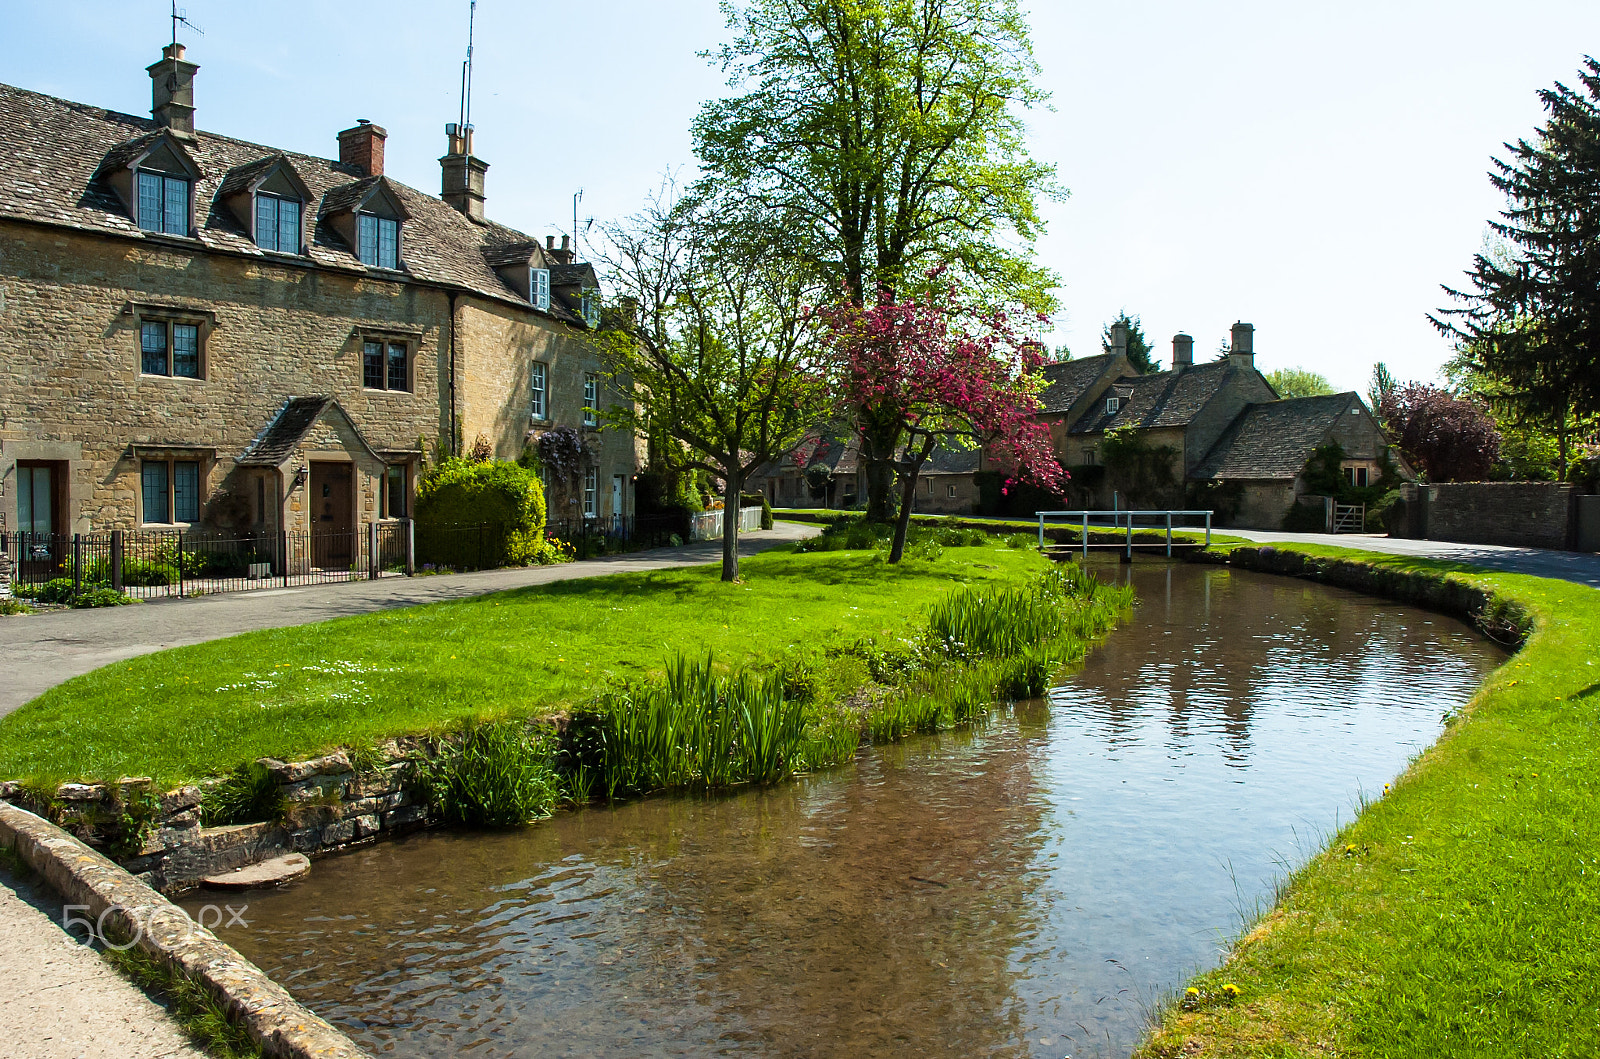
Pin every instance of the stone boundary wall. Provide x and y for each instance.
(328, 803)
(1520, 514)
(127, 908)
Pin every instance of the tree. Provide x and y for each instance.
(711, 339)
(949, 373)
(1139, 347)
(1381, 385)
(1298, 382)
(1531, 319)
(1451, 440)
(886, 136)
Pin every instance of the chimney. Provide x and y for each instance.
(1119, 338)
(463, 173)
(1242, 350)
(172, 91)
(1182, 351)
(549, 242)
(362, 147)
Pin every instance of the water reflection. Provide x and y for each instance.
(1019, 890)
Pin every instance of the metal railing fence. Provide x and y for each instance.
(1123, 520)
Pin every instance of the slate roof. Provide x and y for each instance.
(54, 154)
(239, 177)
(953, 461)
(283, 434)
(1164, 399)
(1066, 382)
(1274, 439)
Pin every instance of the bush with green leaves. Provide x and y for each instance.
(249, 794)
(498, 493)
(501, 775)
(100, 596)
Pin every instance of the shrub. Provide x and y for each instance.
(247, 795)
(464, 493)
(100, 596)
(140, 572)
(500, 777)
(9, 607)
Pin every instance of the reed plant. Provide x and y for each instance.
(501, 775)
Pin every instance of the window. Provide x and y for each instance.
(163, 203)
(952, 492)
(538, 407)
(591, 307)
(539, 287)
(394, 491)
(277, 224)
(378, 241)
(1112, 406)
(170, 491)
(167, 347)
(1358, 476)
(591, 399)
(385, 365)
(591, 484)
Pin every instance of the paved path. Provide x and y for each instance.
(60, 1000)
(39, 651)
(1580, 567)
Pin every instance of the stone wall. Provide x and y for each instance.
(1523, 514)
(1263, 504)
(328, 803)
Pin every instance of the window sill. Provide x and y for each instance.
(171, 527)
(188, 241)
(185, 379)
(370, 392)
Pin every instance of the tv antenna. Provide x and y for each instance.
(181, 15)
(466, 72)
(577, 197)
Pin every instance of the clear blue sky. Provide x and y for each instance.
(1316, 169)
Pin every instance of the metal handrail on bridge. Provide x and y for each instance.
(1119, 519)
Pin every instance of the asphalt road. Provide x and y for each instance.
(39, 651)
(1580, 567)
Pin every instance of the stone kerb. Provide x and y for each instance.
(124, 910)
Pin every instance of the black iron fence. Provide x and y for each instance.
(151, 564)
(589, 537)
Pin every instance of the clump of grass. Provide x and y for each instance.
(502, 775)
(199, 1013)
(247, 795)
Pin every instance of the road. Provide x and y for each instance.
(39, 651)
(1580, 567)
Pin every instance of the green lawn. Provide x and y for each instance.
(1459, 915)
(291, 693)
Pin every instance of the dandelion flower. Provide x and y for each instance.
(1230, 991)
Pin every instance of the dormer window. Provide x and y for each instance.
(277, 223)
(378, 242)
(1113, 406)
(163, 203)
(539, 288)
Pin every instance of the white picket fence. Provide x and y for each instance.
(707, 525)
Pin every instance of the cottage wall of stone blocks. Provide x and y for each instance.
(71, 388)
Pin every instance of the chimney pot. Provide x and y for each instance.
(172, 91)
(1182, 351)
(462, 173)
(549, 242)
(362, 147)
(566, 242)
(1241, 347)
(1119, 338)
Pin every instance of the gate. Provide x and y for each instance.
(1349, 518)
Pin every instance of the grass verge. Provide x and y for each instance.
(1459, 913)
(190, 1004)
(291, 693)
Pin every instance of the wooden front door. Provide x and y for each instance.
(41, 519)
(332, 515)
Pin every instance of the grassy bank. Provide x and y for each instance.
(291, 693)
(1459, 913)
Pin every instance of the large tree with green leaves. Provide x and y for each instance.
(1299, 382)
(1531, 317)
(887, 136)
(711, 338)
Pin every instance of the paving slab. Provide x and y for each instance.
(59, 999)
(263, 875)
(39, 651)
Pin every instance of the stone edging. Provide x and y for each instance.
(122, 905)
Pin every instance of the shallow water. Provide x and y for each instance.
(1030, 888)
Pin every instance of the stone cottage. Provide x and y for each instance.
(201, 332)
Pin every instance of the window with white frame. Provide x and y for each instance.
(591, 399)
(1358, 476)
(539, 288)
(277, 223)
(591, 485)
(169, 347)
(163, 203)
(169, 491)
(1112, 405)
(378, 240)
(539, 399)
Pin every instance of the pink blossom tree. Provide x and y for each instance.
(931, 369)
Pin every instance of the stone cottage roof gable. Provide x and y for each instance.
(1273, 440)
(280, 438)
(1064, 383)
(1164, 399)
(53, 155)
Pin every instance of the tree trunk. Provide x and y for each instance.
(878, 442)
(733, 488)
(1561, 445)
(908, 496)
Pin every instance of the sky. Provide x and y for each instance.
(1316, 170)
